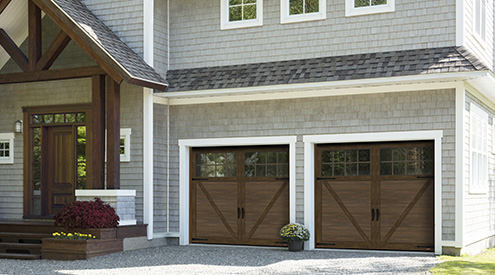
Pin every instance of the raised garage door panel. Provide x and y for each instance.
(216, 209)
(345, 219)
(266, 209)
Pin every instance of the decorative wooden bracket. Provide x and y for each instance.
(3, 5)
(36, 61)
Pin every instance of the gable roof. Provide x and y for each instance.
(101, 43)
(334, 68)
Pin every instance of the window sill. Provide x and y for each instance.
(351, 11)
(303, 18)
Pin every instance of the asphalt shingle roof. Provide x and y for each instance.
(109, 41)
(334, 68)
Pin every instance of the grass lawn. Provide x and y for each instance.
(483, 263)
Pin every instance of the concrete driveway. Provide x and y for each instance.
(231, 260)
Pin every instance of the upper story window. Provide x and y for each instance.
(302, 10)
(361, 7)
(241, 13)
(480, 11)
(479, 150)
(7, 148)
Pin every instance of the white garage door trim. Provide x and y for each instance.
(309, 180)
(186, 144)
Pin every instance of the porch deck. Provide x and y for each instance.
(22, 239)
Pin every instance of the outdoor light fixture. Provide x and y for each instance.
(18, 126)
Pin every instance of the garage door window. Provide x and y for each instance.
(218, 165)
(266, 164)
(345, 163)
(406, 161)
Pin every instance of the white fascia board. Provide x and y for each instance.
(459, 22)
(318, 89)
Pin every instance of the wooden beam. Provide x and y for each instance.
(34, 39)
(55, 49)
(113, 135)
(98, 134)
(58, 74)
(17, 55)
(81, 38)
(3, 5)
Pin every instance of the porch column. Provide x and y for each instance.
(98, 133)
(113, 134)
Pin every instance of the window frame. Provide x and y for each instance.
(286, 18)
(350, 10)
(125, 133)
(478, 183)
(481, 34)
(225, 24)
(8, 138)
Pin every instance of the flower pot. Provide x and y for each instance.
(66, 249)
(295, 245)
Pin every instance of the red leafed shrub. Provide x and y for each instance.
(87, 214)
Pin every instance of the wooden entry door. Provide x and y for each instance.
(59, 184)
(239, 195)
(375, 196)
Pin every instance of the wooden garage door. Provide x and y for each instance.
(239, 195)
(375, 196)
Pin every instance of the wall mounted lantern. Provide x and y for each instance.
(18, 126)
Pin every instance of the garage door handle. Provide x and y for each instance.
(372, 214)
(238, 212)
(242, 213)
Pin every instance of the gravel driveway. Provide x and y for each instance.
(230, 260)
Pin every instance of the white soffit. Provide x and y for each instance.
(14, 21)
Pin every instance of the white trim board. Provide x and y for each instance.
(309, 155)
(184, 149)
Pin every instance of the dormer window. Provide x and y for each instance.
(302, 10)
(362, 7)
(241, 14)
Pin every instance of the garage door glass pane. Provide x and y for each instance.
(266, 164)
(222, 164)
(406, 161)
(345, 162)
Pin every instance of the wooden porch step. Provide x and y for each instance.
(20, 248)
(19, 256)
(20, 237)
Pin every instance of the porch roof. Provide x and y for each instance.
(324, 69)
(103, 45)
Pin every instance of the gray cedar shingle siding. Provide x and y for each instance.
(108, 40)
(349, 67)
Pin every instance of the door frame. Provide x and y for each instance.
(310, 142)
(27, 143)
(184, 179)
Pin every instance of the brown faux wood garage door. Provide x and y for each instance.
(239, 195)
(375, 196)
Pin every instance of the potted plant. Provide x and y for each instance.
(92, 231)
(295, 234)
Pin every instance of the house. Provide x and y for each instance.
(217, 122)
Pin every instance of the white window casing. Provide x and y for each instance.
(286, 17)
(226, 24)
(6, 148)
(351, 10)
(480, 20)
(125, 134)
(479, 150)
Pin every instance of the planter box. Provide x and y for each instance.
(100, 233)
(68, 250)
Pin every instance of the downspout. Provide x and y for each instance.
(148, 13)
(168, 121)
